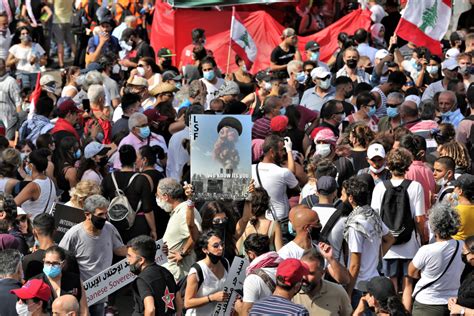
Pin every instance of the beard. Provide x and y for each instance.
(164, 205)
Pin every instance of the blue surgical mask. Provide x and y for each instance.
(244, 68)
(52, 271)
(325, 84)
(392, 112)
(28, 170)
(415, 64)
(209, 75)
(283, 111)
(432, 70)
(77, 154)
(100, 137)
(314, 56)
(23, 156)
(446, 114)
(144, 132)
(372, 111)
(178, 85)
(301, 77)
(295, 100)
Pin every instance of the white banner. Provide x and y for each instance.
(115, 277)
(235, 281)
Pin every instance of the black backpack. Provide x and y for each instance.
(396, 212)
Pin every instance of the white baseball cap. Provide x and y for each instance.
(381, 54)
(450, 64)
(452, 53)
(375, 150)
(414, 98)
(319, 73)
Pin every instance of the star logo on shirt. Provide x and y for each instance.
(168, 299)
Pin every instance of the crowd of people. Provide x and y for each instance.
(362, 193)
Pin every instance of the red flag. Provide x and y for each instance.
(241, 41)
(35, 94)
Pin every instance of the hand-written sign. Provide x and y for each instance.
(115, 277)
(64, 218)
(235, 281)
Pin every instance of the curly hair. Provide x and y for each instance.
(399, 161)
(362, 134)
(444, 134)
(260, 202)
(358, 189)
(458, 152)
(82, 191)
(444, 220)
(202, 242)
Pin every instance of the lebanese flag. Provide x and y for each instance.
(425, 23)
(35, 96)
(241, 41)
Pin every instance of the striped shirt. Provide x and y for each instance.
(277, 305)
(261, 128)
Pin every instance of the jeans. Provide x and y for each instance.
(97, 309)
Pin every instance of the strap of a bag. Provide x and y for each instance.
(261, 185)
(117, 190)
(266, 278)
(129, 184)
(331, 223)
(50, 193)
(446, 269)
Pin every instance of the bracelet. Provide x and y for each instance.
(190, 203)
(209, 299)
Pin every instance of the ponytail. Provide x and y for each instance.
(394, 307)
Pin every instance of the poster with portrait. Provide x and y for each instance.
(221, 156)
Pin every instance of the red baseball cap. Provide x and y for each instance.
(279, 123)
(291, 271)
(34, 288)
(154, 116)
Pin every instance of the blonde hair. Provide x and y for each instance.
(82, 191)
(458, 152)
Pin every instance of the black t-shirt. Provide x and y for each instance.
(158, 282)
(359, 160)
(7, 307)
(280, 57)
(144, 50)
(466, 20)
(33, 264)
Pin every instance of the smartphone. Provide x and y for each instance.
(86, 105)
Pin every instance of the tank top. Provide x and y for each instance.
(45, 200)
(3, 184)
(382, 110)
(245, 87)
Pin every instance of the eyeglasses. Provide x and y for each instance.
(141, 65)
(218, 245)
(53, 263)
(393, 105)
(340, 113)
(218, 221)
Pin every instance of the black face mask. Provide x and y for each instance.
(167, 63)
(348, 94)
(369, 70)
(135, 269)
(315, 233)
(98, 222)
(103, 161)
(214, 258)
(351, 63)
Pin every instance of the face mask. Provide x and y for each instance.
(441, 182)
(214, 258)
(51, 271)
(283, 111)
(103, 161)
(301, 77)
(77, 154)
(392, 112)
(244, 68)
(432, 70)
(314, 233)
(125, 46)
(369, 70)
(295, 100)
(377, 171)
(116, 69)
(144, 132)
(141, 71)
(28, 170)
(454, 196)
(178, 86)
(22, 309)
(25, 38)
(348, 94)
(135, 269)
(371, 111)
(414, 64)
(130, 43)
(464, 70)
(307, 287)
(164, 205)
(325, 84)
(351, 63)
(323, 150)
(209, 75)
(446, 114)
(267, 86)
(314, 56)
(98, 222)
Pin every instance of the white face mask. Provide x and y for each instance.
(323, 150)
(267, 86)
(441, 182)
(116, 69)
(164, 205)
(377, 171)
(22, 309)
(141, 71)
(325, 84)
(295, 100)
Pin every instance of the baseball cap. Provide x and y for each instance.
(380, 287)
(107, 20)
(326, 185)
(375, 150)
(154, 115)
(229, 88)
(163, 87)
(324, 134)
(92, 67)
(171, 75)
(465, 182)
(312, 46)
(34, 288)
(138, 81)
(452, 53)
(165, 52)
(291, 271)
(288, 32)
(68, 106)
(319, 73)
(95, 148)
(450, 64)
(279, 123)
(47, 79)
(381, 54)
(263, 75)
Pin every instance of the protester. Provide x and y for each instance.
(33, 298)
(66, 305)
(10, 279)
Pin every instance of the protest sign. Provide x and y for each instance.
(64, 218)
(115, 277)
(234, 282)
(221, 156)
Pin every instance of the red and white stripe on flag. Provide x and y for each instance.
(241, 40)
(425, 23)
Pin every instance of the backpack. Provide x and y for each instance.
(120, 208)
(396, 212)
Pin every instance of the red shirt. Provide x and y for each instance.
(421, 173)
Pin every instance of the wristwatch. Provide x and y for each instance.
(462, 311)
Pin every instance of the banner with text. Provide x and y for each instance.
(234, 282)
(115, 277)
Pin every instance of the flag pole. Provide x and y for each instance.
(230, 40)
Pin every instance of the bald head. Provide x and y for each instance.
(408, 111)
(302, 216)
(66, 305)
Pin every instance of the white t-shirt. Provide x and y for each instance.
(212, 90)
(275, 180)
(177, 155)
(336, 237)
(324, 212)
(255, 288)
(370, 253)
(432, 260)
(25, 54)
(308, 189)
(291, 250)
(417, 205)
